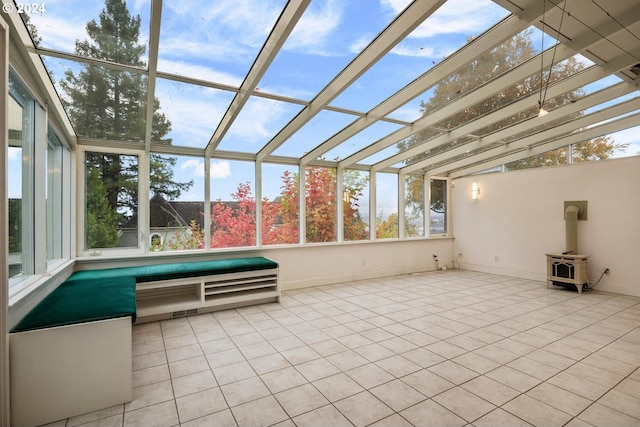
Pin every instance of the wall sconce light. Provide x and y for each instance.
(475, 191)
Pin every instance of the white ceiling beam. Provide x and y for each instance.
(496, 35)
(489, 157)
(597, 98)
(409, 19)
(506, 80)
(585, 135)
(281, 31)
(154, 42)
(593, 74)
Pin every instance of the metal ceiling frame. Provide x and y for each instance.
(525, 13)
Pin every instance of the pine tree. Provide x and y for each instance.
(479, 71)
(108, 103)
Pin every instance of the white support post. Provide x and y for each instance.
(207, 202)
(340, 203)
(302, 208)
(258, 210)
(372, 205)
(402, 202)
(4, 226)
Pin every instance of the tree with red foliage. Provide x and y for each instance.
(234, 224)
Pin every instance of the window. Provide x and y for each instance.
(21, 181)
(386, 205)
(355, 202)
(111, 201)
(414, 206)
(280, 204)
(233, 205)
(38, 210)
(176, 203)
(438, 211)
(55, 201)
(320, 204)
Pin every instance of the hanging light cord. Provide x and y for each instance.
(543, 94)
(615, 20)
(544, 7)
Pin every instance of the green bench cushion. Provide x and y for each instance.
(83, 301)
(151, 273)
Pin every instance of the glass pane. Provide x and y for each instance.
(230, 33)
(327, 37)
(102, 102)
(117, 32)
(280, 204)
(54, 195)
(361, 140)
(386, 205)
(355, 202)
(313, 133)
(233, 205)
(439, 203)
(187, 114)
(20, 181)
(111, 197)
(176, 206)
(320, 202)
(414, 206)
(257, 123)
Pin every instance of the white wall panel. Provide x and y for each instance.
(519, 217)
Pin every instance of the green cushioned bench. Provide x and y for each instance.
(82, 301)
(151, 273)
(72, 354)
(178, 289)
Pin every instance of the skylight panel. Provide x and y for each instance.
(63, 23)
(258, 122)
(361, 140)
(317, 130)
(443, 33)
(214, 41)
(101, 102)
(327, 37)
(379, 156)
(194, 111)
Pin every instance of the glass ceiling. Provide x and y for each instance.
(376, 83)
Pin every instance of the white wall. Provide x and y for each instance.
(519, 217)
(315, 264)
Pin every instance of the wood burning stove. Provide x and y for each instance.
(567, 270)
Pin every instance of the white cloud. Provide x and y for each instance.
(195, 165)
(403, 50)
(14, 153)
(198, 71)
(60, 31)
(312, 32)
(459, 16)
(256, 120)
(228, 30)
(220, 169)
(396, 5)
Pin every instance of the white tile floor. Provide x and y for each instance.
(453, 348)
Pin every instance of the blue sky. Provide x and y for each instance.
(219, 41)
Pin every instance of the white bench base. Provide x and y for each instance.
(61, 372)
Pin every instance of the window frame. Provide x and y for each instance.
(143, 204)
(35, 170)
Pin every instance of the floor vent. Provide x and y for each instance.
(183, 313)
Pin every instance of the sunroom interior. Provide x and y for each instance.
(427, 136)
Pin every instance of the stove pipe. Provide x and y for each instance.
(571, 228)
